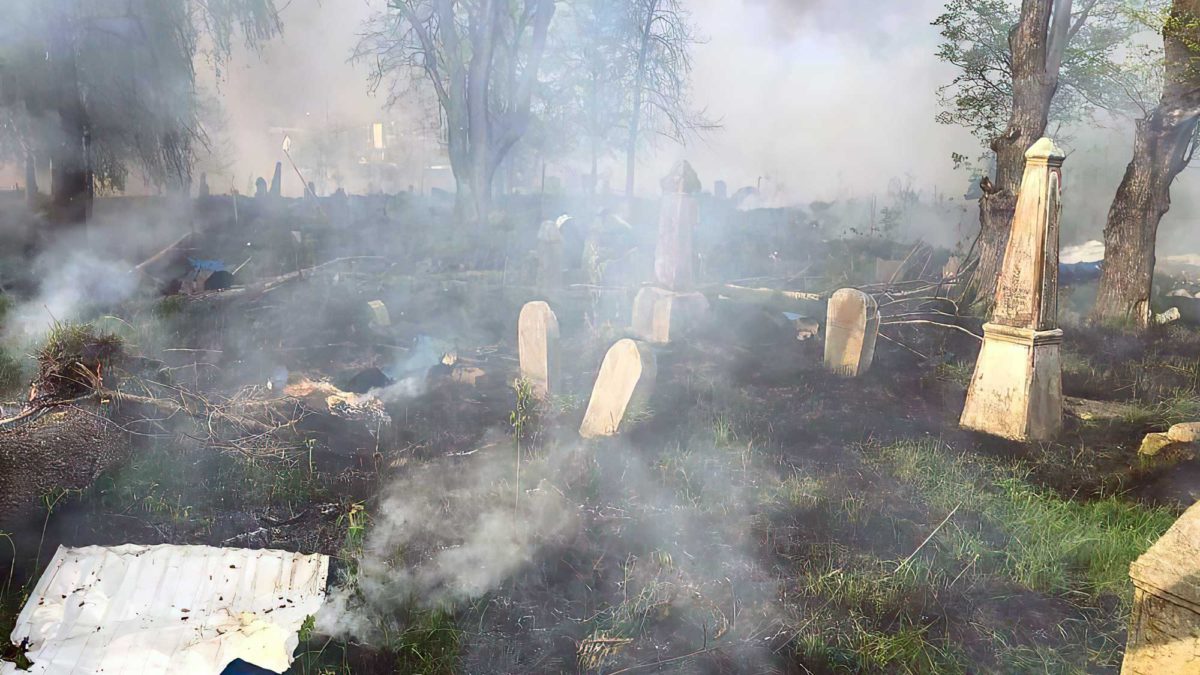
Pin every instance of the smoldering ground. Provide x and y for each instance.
(602, 542)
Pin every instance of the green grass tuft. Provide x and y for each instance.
(1033, 537)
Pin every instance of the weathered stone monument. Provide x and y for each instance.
(626, 378)
(851, 328)
(671, 307)
(550, 256)
(277, 181)
(1016, 391)
(1164, 627)
(537, 347)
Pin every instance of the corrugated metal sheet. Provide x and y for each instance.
(168, 609)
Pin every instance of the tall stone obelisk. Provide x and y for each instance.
(669, 309)
(1016, 391)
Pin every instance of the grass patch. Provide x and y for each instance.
(1030, 536)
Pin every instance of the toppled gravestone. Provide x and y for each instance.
(626, 378)
(1164, 627)
(537, 348)
(851, 328)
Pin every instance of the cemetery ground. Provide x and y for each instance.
(756, 514)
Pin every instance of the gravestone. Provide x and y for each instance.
(537, 347)
(277, 181)
(721, 190)
(851, 328)
(626, 378)
(203, 191)
(673, 257)
(550, 256)
(1016, 391)
(380, 318)
(671, 307)
(660, 315)
(1164, 626)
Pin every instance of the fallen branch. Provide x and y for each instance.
(931, 535)
(933, 323)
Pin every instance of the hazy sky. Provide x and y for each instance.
(801, 97)
(826, 98)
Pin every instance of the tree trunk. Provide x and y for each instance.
(995, 222)
(1160, 152)
(635, 115)
(1033, 86)
(70, 179)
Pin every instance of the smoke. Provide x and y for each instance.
(446, 532)
(667, 528)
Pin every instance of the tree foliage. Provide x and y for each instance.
(1102, 67)
(113, 82)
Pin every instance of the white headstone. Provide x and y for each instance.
(537, 347)
(851, 328)
(626, 376)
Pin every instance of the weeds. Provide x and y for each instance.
(1037, 539)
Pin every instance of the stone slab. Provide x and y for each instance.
(537, 348)
(626, 378)
(851, 329)
(660, 316)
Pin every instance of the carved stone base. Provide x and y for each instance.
(1016, 391)
(660, 316)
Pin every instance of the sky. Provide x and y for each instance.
(816, 106)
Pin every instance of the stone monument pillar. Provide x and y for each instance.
(1016, 391)
(550, 257)
(664, 311)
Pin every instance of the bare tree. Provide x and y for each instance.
(481, 57)
(1164, 143)
(97, 85)
(661, 78)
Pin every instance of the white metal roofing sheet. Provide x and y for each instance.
(167, 609)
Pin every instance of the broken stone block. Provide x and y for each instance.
(537, 347)
(626, 379)
(1153, 444)
(660, 316)
(1187, 432)
(379, 314)
(1164, 626)
(1168, 316)
(851, 328)
(1016, 390)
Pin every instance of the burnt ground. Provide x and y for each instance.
(757, 515)
(752, 519)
